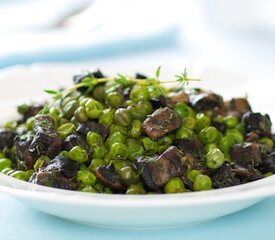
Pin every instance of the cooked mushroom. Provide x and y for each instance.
(42, 122)
(79, 77)
(28, 111)
(156, 172)
(161, 122)
(67, 167)
(268, 164)
(244, 154)
(23, 153)
(240, 105)
(74, 139)
(224, 177)
(53, 179)
(6, 138)
(179, 96)
(110, 178)
(203, 100)
(92, 126)
(161, 101)
(257, 122)
(246, 173)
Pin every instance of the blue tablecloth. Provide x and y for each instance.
(19, 221)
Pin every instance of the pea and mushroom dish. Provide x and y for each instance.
(134, 135)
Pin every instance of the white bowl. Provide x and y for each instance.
(120, 211)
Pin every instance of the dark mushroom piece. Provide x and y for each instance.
(222, 127)
(79, 77)
(257, 122)
(193, 151)
(42, 122)
(28, 111)
(161, 122)
(6, 138)
(156, 172)
(244, 154)
(240, 105)
(140, 76)
(110, 178)
(161, 101)
(22, 144)
(224, 177)
(268, 164)
(179, 96)
(65, 166)
(52, 179)
(74, 139)
(246, 173)
(92, 126)
(203, 100)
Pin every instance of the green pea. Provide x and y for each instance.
(268, 174)
(88, 188)
(225, 144)
(95, 163)
(123, 117)
(5, 163)
(189, 122)
(93, 108)
(83, 101)
(192, 174)
(107, 117)
(81, 115)
(131, 141)
(164, 143)
(182, 109)
(128, 103)
(21, 175)
(184, 132)
(210, 135)
(240, 127)
(119, 151)
(128, 176)
(29, 123)
(231, 121)
(94, 139)
(98, 92)
(203, 121)
(107, 190)
(65, 130)
(114, 99)
(135, 150)
(267, 141)
(119, 164)
(135, 189)
(40, 162)
(150, 146)
(238, 137)
(70, 108)
(12, 124)
(136, 129)
(147, 106)
(138, 111)
(208, 147)
(215, 158)
(139, 93)
(84, 178)
(116, 128)
(99, 151)
(116, 137)
(174, 185)
(78, 154)
(202, 182)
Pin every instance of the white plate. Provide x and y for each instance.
(123, 211)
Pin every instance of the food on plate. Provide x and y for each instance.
(133, 135)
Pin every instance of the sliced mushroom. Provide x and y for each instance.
(22, 144)
(30, 111)
(156, 172)
(91, 126)
(240, 105)
(246, 173)
(268, 164)
(161, 122)
(6, 138)
(110, 178)
(203, 100)
(42, 122)
(224, 177)
(74, 139)
(244, 154)
(161, 101)
(79, 77)
(257, 122)
(179, 96)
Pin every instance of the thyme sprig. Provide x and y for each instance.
(123, 80)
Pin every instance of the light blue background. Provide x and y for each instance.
(20, 222)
